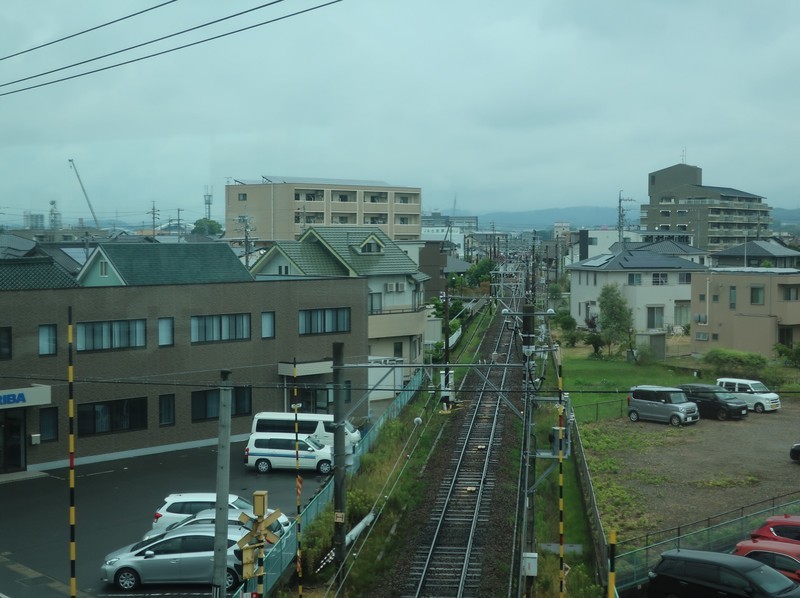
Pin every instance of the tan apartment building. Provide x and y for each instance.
(714, 217)
(745, 309)
(282, 209)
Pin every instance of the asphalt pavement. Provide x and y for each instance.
(114, 506)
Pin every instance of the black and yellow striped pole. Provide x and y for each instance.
(612, 555)
(73, 586)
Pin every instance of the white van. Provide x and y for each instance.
(269, 450)
(758, 397)
(317, 425)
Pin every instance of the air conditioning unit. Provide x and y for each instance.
(390, 287)
(400, 287)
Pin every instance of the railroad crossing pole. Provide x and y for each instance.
(339, 531)
(223, 488)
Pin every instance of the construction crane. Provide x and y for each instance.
(80, 182)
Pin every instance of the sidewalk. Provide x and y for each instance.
(18, 476)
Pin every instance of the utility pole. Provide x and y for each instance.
(223, 487)
(339, 506)
(179, 224)
(621, 218)
(154, 212)
(246, 228)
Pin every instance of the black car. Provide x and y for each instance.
(697, 574)
(794, 452)
(714, 401)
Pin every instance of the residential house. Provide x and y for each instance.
(656, 287)
(745, 309)
(754, 254)
(396, 297)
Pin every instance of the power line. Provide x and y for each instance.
(202, 41)
(55, 41)
(147, 43)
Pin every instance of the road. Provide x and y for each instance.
(115, 502)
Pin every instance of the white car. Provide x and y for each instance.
(182, 556)
(758, 397)
(177, 507)
(209, 516)
(266, 451)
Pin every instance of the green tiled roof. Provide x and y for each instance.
(33, 273)
(178, 263)
(312, 259)
(344, 244)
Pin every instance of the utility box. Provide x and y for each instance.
(530, 564)
(36, 439)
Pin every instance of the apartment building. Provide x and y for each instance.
(716, 217)
(282, 208)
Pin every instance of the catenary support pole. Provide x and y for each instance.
(339, 531)
(223, 487)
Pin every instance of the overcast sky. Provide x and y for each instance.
(493, 105)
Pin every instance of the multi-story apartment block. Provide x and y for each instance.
(717, 217)
(282, 209)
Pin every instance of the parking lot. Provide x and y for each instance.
(115, 502)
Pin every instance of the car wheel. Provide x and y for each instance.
(126, 579)
(231, 579)
(634, 415)
(263, 466)
(324, 467)
(722, 415)
(758, 408)
(674, 420)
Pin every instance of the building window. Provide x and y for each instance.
(166, 332)
(757, 295)
(732, 298)
(110, 335)
(371, 247)
(242, 196)
(404, 220)
(655, 316)
(103, 268)
(702, 297)
(684, 278)
(715, 298)
(112, 416)
(402, 199)
(343, 197)
(375, 303)
(166, 410)
(48, 423)
(220, 328)
(267, 324)
(714, 336)
(634, 279)
(205, 403)
(398, 350)
(47, 339)
(324, 321)
(5, 342)
(791, 293)
(659, 279)
(701, 336)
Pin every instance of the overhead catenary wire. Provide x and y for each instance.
(141, 45)
(168, 51)
(79, 33)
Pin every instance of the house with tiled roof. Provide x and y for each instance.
(755, 254)
(656, 287)
(136, 264)
(34, 273)
(665, 247)
(396, 299)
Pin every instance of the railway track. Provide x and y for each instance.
(448, 563)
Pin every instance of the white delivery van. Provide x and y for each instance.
(268, 450)
(317, 425)
(758, 397)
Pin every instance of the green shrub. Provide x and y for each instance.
(735, 363)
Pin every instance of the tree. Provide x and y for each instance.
(208, 227)
(479, 272)
(616, 318)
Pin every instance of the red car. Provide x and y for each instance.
(781, 556)
(781, 528)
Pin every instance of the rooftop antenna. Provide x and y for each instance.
(683, 156)
(621, 218)
(208, 197)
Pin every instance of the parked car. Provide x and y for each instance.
(690, 573)
(794, 452)
(209, 516)
(714, 401)
(758, 397)
(661, 404)
(154, 560)
(177, 507)
(273, 450)
(781, 556)
(781, 528)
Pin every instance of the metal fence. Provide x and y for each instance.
(283, 553)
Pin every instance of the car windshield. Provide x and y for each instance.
(759, 387)
(349, 427)
(769, 580)
(152, 540)
(242, 504)
(314, 444)
(179, 523)
(677, 397)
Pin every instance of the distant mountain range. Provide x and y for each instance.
(590, 217)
